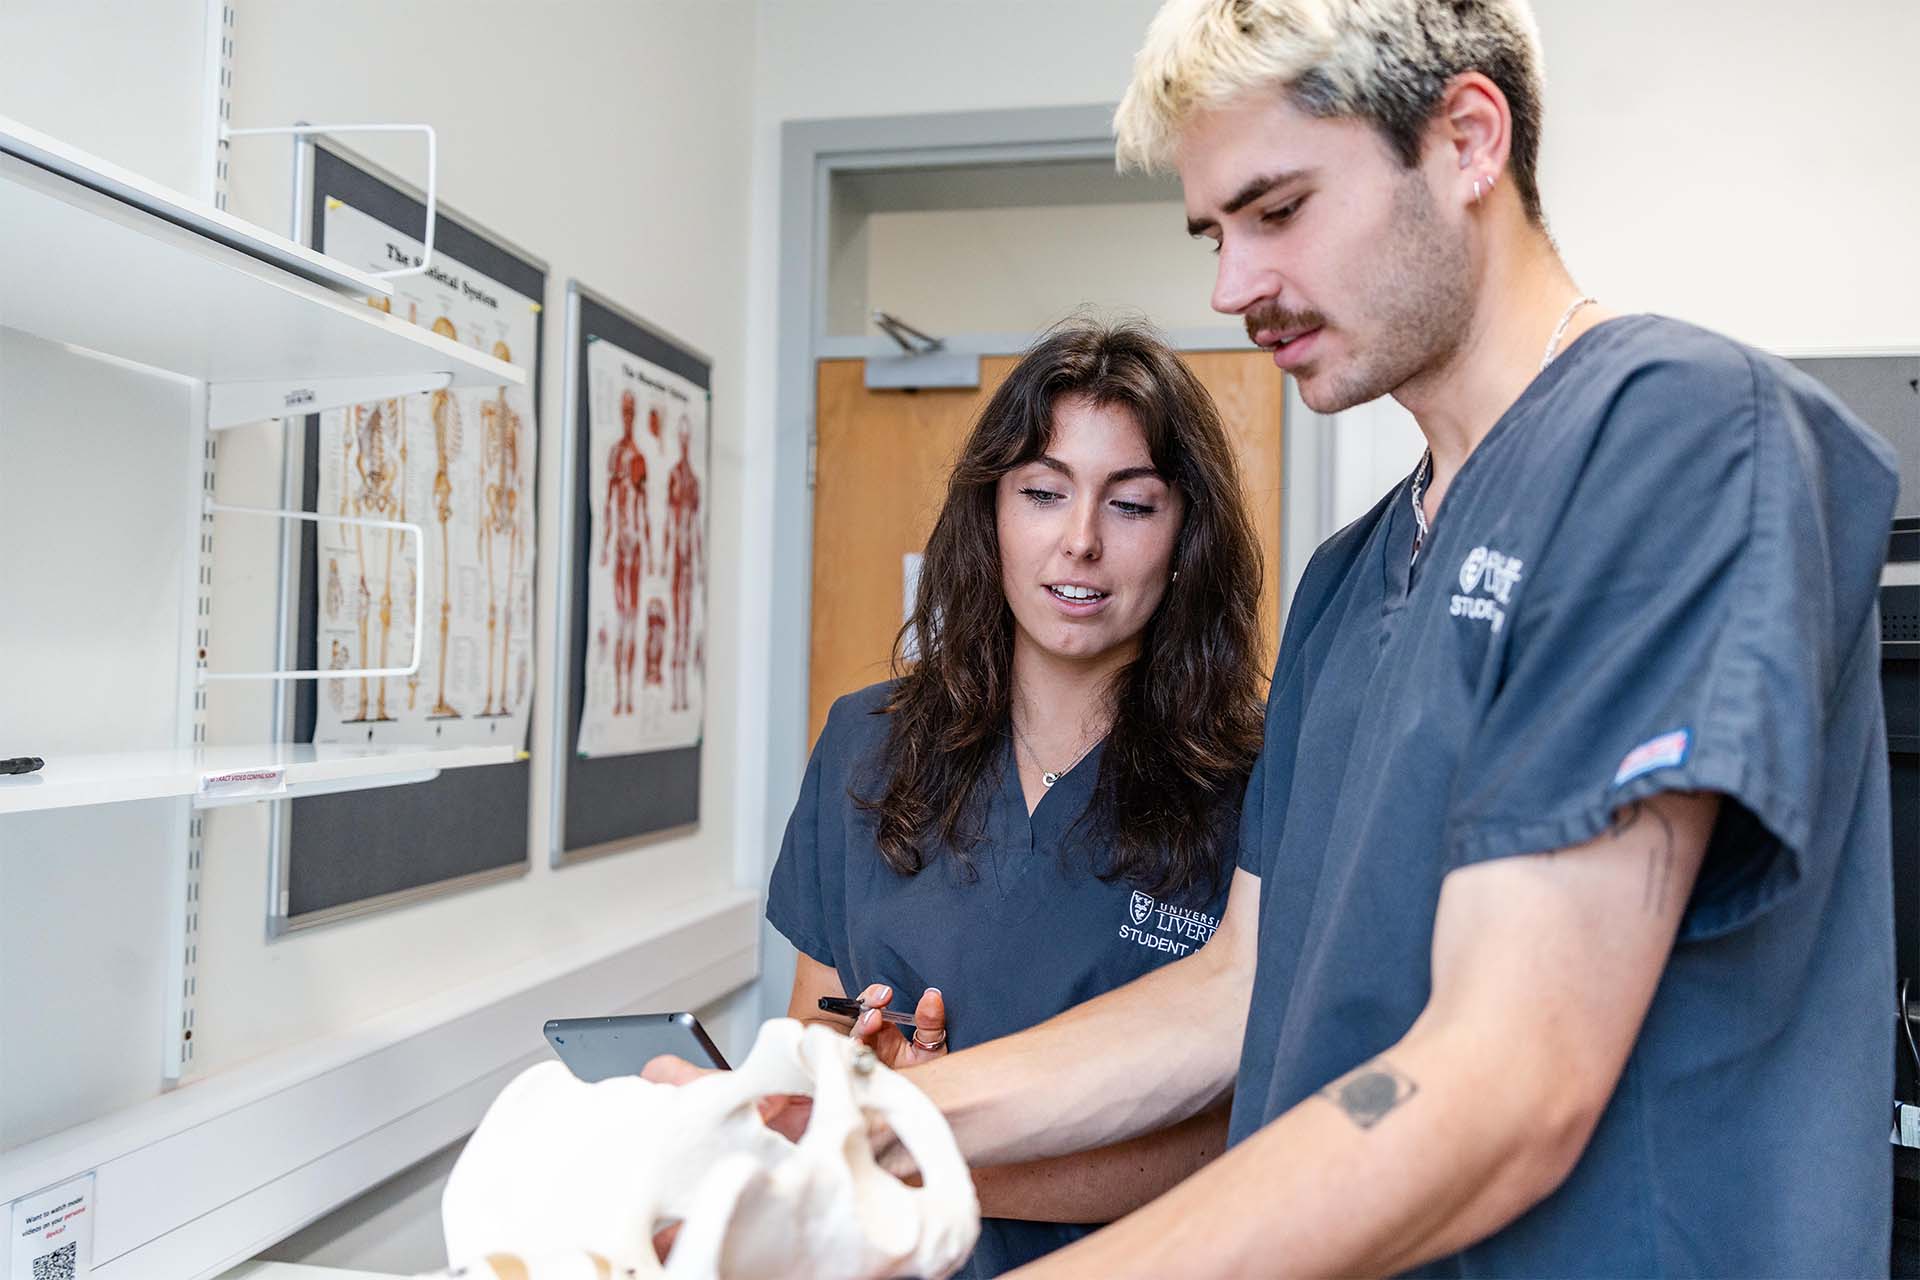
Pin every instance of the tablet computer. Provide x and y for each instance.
(600, 1048)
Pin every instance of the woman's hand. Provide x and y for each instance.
(902, 1047)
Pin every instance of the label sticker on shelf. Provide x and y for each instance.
(244, 782)
(53, 1232)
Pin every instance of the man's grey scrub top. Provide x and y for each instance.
(1025, 934)
(1656, 573)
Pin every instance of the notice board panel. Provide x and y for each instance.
(463, 465)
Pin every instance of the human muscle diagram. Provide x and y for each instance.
(459, 464)
(647, 556)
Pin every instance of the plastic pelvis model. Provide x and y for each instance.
(565, 1179)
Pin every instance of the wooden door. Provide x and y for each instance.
(880, 477)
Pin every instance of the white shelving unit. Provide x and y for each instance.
(217, 776)
(91, 255)
(108, 264)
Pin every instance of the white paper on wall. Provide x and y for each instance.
(459, 464)
(646, 605)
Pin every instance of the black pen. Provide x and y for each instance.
(853, 1009)
(21, 764)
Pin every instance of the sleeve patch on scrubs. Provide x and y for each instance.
(1655, 753)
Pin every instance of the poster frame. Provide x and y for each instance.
(631, 801)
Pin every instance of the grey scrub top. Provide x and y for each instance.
(1656, 573)
(1029, 933)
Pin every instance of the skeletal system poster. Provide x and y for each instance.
(647, 566)
(460, 465)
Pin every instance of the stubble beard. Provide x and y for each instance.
(1419, 291)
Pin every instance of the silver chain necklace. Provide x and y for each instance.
(1049, 777)
(1566, 318)
(1421, 473)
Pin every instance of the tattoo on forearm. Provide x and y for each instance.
(1659, 878)
(1369, 1093)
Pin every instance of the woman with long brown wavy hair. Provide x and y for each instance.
(1043, 804)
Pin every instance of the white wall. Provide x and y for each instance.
(1747, 164)
(992, 270)
(120, 80)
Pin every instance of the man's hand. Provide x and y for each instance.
(784, 1113)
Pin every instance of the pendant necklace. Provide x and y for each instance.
(1049, 776)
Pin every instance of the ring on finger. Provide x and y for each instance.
(922, 1044)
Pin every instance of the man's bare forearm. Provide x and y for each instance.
(1543, 970)
(1389, 1166)
(1137, 1059)
(1102, 1185)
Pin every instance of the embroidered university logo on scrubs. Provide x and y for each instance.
(1176, 930)
(1495, 574)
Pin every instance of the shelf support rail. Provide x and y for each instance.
(299, 193)
(419, 595)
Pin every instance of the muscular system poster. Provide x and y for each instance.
(647, 557)
(460, 464)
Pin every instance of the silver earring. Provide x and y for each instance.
(1175, 577)
(1476, 189)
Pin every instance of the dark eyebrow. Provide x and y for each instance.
(1052, 463)
(1246, 195)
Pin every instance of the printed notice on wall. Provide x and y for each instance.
(53, 1233)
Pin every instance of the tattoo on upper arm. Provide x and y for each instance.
(1660, 853)
(1369, 1093)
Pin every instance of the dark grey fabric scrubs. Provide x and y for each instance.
(1030, 933)
(1657, 573)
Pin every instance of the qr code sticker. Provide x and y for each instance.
(57, 1265)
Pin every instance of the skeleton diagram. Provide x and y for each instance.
(631, 534)
(684, 549)
(338, 660)
(500, 426)
(445, 412)
(375, 492)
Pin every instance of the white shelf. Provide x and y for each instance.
(293, 769)
(104, 261)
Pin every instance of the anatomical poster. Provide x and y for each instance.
(646, 607)
(459, 464)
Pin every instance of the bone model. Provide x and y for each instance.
(566, 1179)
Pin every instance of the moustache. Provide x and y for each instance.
(1273, 316)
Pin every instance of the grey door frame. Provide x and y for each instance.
(812, 154)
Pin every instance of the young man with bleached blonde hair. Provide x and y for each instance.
(1560, 942)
